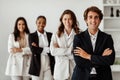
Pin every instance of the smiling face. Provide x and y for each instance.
(21, 25)
(41, 23)
(93, 20)
(67, 21)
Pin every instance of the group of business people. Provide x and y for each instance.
(68, 54)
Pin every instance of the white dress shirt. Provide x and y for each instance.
(93, 41)
(43, 42)
(68, 37)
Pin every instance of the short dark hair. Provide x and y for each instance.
(93, 9)
(41, 16)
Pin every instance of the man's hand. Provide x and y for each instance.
(107, 52)
(80, 52)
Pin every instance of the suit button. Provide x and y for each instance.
(34, 55)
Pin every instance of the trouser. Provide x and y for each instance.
(45, 71)
(20, 78)
(43, 76)
(63, 79)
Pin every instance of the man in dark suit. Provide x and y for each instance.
(93, 49)
(42, 63)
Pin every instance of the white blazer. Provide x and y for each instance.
(64, 62)
(18, 64)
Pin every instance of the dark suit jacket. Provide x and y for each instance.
(36, 52)
(101, 63)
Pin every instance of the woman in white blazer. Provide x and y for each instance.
(62, 44)
(19, 51)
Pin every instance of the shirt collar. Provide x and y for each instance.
(71, 33)
(40, 34)
(95, 35)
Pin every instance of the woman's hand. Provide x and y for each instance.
(34, 44)
(15, 50)
(56, 45)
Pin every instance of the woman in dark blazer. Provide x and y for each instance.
(42, 63)
(93, 50)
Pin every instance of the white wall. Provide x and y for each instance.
(31, 9)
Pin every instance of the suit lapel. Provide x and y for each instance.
(88, 41)
(36, 39)
(99, 41)
(66, 43)
(49, 38)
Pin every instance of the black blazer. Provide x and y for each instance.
(35, 60)
(101, 63)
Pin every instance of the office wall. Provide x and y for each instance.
(31, 9)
